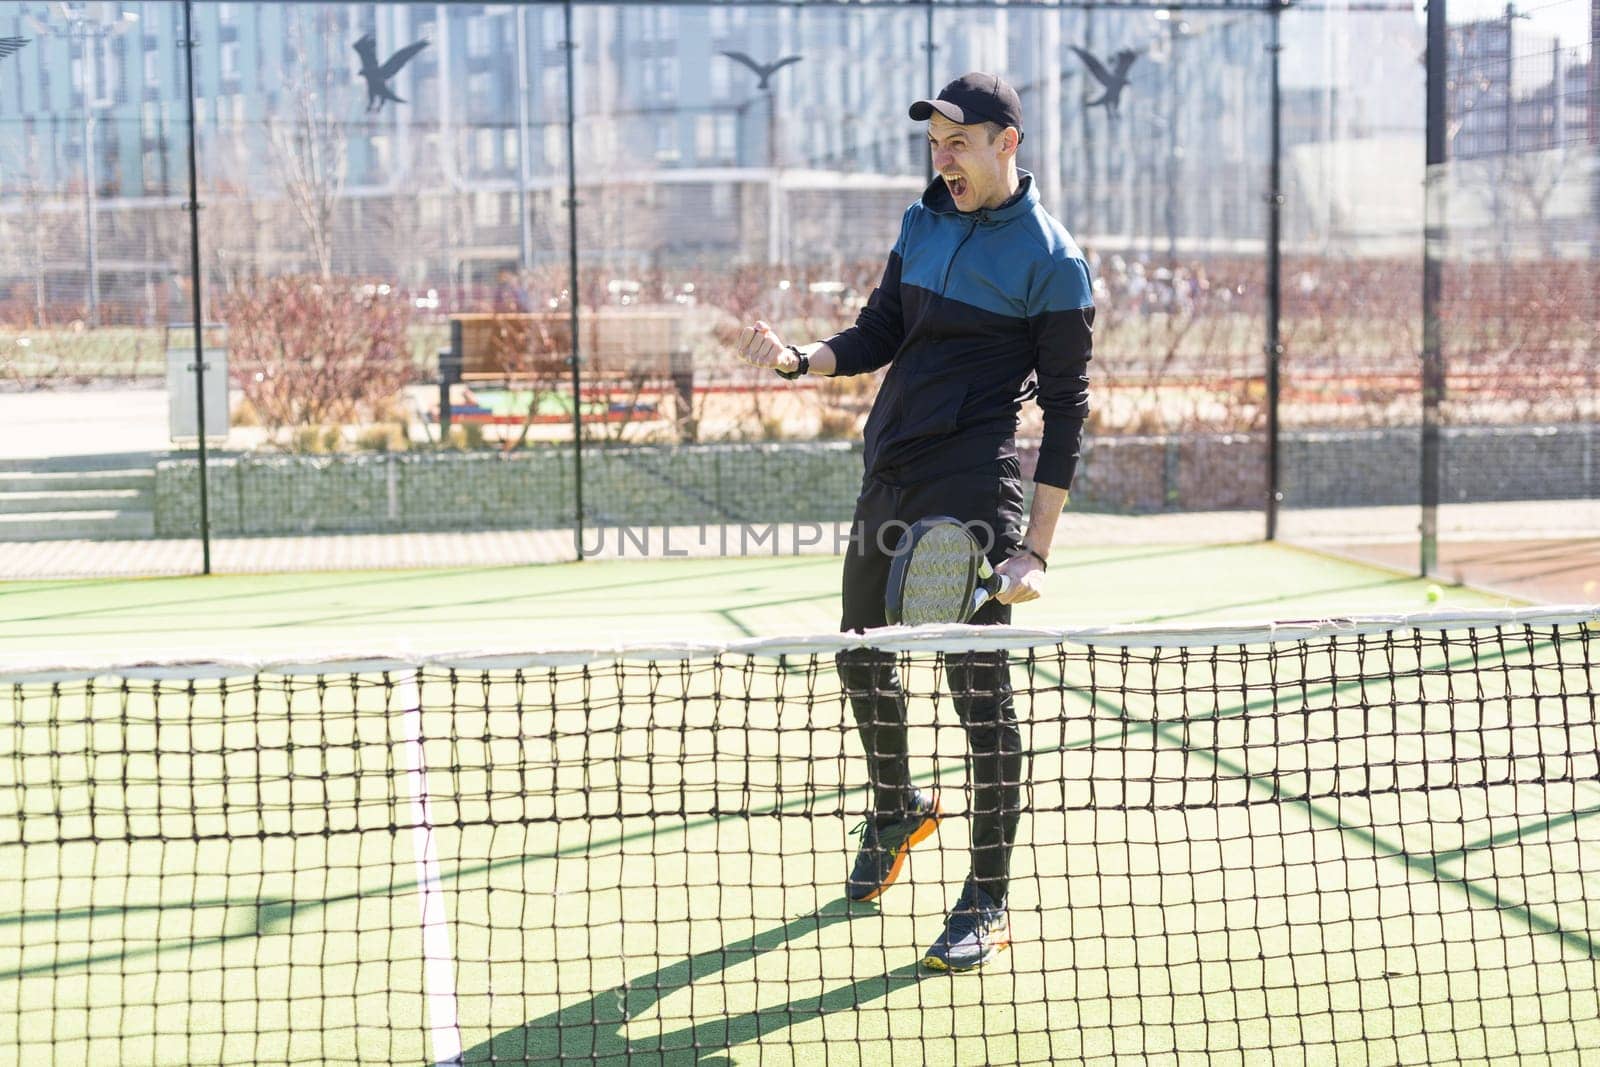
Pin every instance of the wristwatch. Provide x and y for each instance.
(803, 367)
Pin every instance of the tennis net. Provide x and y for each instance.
(1363, 839)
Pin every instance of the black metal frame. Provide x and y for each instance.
(199, 364)
(569, 46)
(1274, 345)
(1433, 286)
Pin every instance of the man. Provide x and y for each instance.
(985, 303)
(510, 295)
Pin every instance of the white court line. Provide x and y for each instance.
(438, 962)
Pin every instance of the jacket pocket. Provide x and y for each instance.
(932, 408)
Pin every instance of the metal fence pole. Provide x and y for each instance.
(1432, 284)
(929, 48)
(194, 270)
(571, 46)
(1274, 273)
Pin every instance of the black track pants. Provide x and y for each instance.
(991, 499)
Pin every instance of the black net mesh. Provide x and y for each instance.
(1284, 845)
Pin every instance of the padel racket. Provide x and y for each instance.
(939, 575)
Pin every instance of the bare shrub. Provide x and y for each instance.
(313, 352)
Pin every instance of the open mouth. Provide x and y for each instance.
(957, 186)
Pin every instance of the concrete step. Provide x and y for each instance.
(78, 500)
(81, 481)
(77, 525)
(101, 461)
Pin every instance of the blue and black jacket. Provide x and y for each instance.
(977, 312)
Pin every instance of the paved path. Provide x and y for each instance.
(80, 422)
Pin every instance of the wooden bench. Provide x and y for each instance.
(640, 348)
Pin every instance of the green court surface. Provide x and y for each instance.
(1338, 851)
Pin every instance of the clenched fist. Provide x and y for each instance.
(760, 347)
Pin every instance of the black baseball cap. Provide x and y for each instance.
(974, 98)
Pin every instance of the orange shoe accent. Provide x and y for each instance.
(919, 835)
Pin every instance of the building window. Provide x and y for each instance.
(478, 37)
(705, 137)
(666, 78)
(666, 146)
(425, 94)
(118, 70)
(102, 78)
(480, 88)
(721, 77)
(486, 209)
(154, 165)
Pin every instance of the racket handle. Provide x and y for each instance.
(1005, 585)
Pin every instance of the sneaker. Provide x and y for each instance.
(884, 848)
(976, 931)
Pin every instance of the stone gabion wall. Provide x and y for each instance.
(815, 482)
(1361, 468)
(686, 485)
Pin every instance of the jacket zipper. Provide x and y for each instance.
(944, 286)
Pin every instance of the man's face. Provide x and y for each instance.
(974, 168)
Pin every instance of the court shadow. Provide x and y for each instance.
(594, 1029)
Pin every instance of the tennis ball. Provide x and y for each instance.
(1588, 587)
(1434, 593)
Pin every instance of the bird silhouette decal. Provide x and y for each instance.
(9, 45)
(377, 75)
(1112, 81)
(763, 72)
